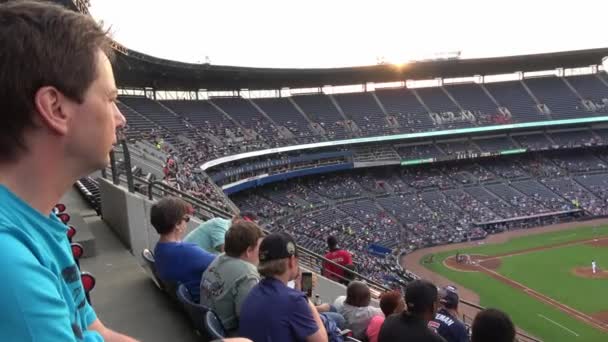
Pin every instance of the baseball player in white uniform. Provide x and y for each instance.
(593, 266)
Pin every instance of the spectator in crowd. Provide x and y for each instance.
(390, 303)
(272, 311)
(446, 322)
(210, 234)
(231, 276)
(422, 301)
(339, 256)
(492, 325)
(357, 309)
(59, 122)
(177, 261)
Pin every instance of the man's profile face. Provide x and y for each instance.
(93, 123)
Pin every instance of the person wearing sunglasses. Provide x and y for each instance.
(177, 261)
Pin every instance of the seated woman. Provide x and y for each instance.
(390, 303)
(177, 261)
(357, 309)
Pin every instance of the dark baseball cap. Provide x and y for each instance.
(448, 296)
(277, 246)
(420, 295)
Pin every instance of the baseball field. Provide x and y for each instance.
(545, 281)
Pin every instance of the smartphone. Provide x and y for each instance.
(307, 283)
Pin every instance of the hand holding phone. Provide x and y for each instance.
(307, 283)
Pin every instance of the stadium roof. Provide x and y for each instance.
(138, 70)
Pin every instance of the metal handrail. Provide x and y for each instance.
(168, 188)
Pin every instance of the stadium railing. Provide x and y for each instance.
(308, 259)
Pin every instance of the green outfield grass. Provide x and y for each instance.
(545, 271)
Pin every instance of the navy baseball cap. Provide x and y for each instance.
(448, 296)
(277, 246)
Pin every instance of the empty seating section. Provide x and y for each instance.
(523, 204)
(597, 184)
(540, 193)
(580, 162)
(500, 207)
(514, 96)
(419, 151)
(438, 102)
(561, 100)
(383, 230)
(248, 116)
(495, 144)
(472, 97)
(205, 117)
(136, 123)
(321, 110)
(477, 210)
(406, 108)
(589, 87)
(364, 110)
(573, 138)
(283, 113)
(576, 194)
(533, 140)
(457, 147)
(155, 112)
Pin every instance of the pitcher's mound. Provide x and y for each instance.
(586, 272)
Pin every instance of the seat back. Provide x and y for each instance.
(150, 262)
(213, 325)
(60, 207)
(71, 232)
(88, 283)
(195, 311)
(77, 252)
(64, 217)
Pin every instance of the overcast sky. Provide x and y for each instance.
(333, 33)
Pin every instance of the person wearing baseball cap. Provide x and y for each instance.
(421, 301)
(446, 322)
(273, 311)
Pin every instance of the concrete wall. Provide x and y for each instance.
(128, 215)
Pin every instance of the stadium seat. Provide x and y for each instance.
(195, 311)
(64, 217)
(149, 258)
(71, 232)
(88, 283)
(60, 207)
(77, 252)
(214, 325)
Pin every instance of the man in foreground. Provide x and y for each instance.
(59, 121)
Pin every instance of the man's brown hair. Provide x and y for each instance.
(240, 236)
(43, 44)
(167, 213)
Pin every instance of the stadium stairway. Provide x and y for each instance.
(124, 297)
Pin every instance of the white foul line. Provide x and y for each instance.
(559, 325)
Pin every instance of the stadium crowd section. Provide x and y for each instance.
(448, 202)
(445, 204)
(208, 129)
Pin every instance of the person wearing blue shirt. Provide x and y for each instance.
(446, 322)
(176, 261)
(59, 122)
(273, 311)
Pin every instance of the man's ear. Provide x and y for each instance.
(50, 105)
